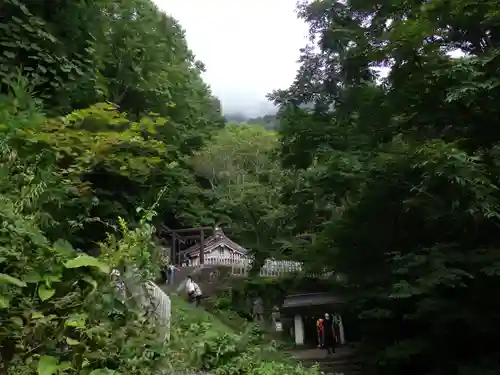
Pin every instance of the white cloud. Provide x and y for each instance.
(249, 47)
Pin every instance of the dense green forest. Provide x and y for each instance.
(109, 131)
(269, 121)
(398, 177)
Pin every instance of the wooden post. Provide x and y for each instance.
(202, 247)
(173, 250)
(341, 332)
(299, 330)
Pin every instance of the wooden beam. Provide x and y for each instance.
(190, 237)
(162, 228)
(165, 228)
(173, 250)
(202, 247)
(186, 230)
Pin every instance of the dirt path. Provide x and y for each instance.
(343, 361)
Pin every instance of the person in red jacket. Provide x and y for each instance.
(320, 329)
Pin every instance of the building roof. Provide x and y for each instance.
(311, 299)
(213, 242)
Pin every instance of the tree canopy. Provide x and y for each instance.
(398, 173)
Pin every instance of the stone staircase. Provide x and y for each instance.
(344, 360)
(210, 278)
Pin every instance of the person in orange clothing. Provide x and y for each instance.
(320, 329)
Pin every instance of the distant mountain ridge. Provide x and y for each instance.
(236, 117)
(269, 121)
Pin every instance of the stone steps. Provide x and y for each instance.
(210, 278)
(333, 366)
(344, 361)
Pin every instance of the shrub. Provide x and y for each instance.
(59, 311)
(204, 343)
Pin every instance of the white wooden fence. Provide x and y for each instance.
(240, 266)
(222, 259)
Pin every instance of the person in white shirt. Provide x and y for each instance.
(116, 277)
(171, 273)
(193, 291)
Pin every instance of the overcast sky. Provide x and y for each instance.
(249, 47)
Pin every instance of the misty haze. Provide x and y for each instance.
(245, 60)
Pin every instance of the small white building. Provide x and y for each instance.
(306, 309)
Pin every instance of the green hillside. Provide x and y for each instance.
(201, 341)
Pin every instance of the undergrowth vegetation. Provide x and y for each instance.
(216, 347)
(59, 311)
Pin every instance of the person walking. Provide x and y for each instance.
(119, 284)
(320, 332)
(164, 262)
(171, 273)
(184, 262)
(328, 334)
(193, 291)
(258, 309)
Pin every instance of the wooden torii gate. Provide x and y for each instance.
(179, 235)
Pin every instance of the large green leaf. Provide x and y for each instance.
(4, 302)
(18, 321)
(45, 293)
(47, 365)
(72, 342)
(33, 277)
(76, 320)
(6, 279)
(63, 247)
(104, 371)
(85, 260)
